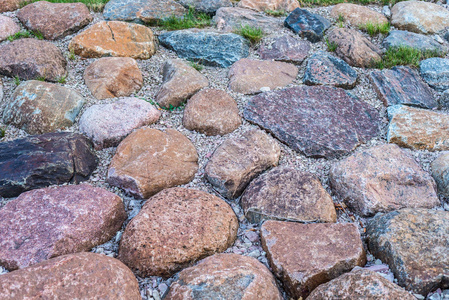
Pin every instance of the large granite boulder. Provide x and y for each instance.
(306, 24)
(358, 15)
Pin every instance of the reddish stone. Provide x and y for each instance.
(285, 48)
(7, 27)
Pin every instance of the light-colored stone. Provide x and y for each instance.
(358, 15)
(155, 10)
(7, 27)
(440, 172)
(1, 89)
(233, 18)
(264, 5)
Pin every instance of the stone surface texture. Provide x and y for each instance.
(206, 6)
(435, 71)
(155, 10)
(285, 48)
(358, 15)
(10, 5)
(307, 25)
(402, 38)
(7, 27)
(264, 5)
(231, 18)
(440, 172)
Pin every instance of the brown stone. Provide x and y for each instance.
(286, 194)
(212, 112)
(176, 227)
(81, 275)
(111, 77)
(304, 256)
(225, 276)
(354, 48)
(180, 82)
(114, 39)
(238, 161)
(49, 222)
(285, 48)
(263, 5)
(55, 20)
(10, 5)
(358, 15)
(156, 10)
(248, 76)
(7, 27)
(382, 179)
(148, 161)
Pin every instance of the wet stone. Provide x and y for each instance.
(285, 48)
(306, 24)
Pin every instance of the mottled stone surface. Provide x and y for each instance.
(82, 276)
(401, 38)
(319, 121)
(148, 161)
(225, 276)
(207, 47)
(325, 69)
(440, 172)
(248, 76)
(286, 194)
(443, 101)
(285, 48)
(175, 228)
(413, 242)
(237, 161)
(435, 71)
(7, 27)
(206, 6)
(358, 15)
(306, 24)
(381, 179)
(49, 222)
(212, 112)
(124, 10)
(55, 20)
(10, 5)
(232, 18)
(32, 59)
(304, 256)
(108, 124)
(42, 160)
(40, 107)
(156, 10)
(264, 5)
(402, 85)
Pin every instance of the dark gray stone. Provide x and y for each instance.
(285, 48)
(306, 24)
(207, 47)
(206, 6)
(435, 71)
(422, 42)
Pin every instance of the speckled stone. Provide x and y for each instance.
(231, 18)
(358, 15)
(206, 6)
(435, 71)
(264, 5)
(402, 38)
(285, 48)
(306, 24)
(10, 5)
(156, 10)
(7, 27)
(440, 172)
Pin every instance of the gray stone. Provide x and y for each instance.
(123, 10)
(444, 99)
(398, 38)
(306, 24)
(206, 6)
(1, 89)
(440, 172)
(232, 18)
(285, 48)
(156, 10)
(435, 71)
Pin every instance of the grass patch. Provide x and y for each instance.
(157, 105)
(95, 5)
(25, 34)
(331, 46)
(62, 79)
(17, 80)
(252, 34)
(196, 66)
(276, 13)
(404, 56)
(375, 29)
(2, 132)
(191, 19)
(72, 55)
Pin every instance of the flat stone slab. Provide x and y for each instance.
(233, 18)
(358, 15)
(318, 121)
(435, 71)
(7, 27)
(424, 43)
(440, 172)
(275, 5)
(306, 24)
(285, 48)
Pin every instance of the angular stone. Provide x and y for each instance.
(413, 242)
(7, 27)
(306, 24)
(50, 222)
(31, 58)
(424, 43)
(238, 161)
(304, 256)
(326, 69)
(419, 17)
(440, 172)
(418, 128)
(175, 228)
(318, 121)
(225, 276)
(111, 77)
(207, 47)
(285, 48)
(264, 5)
(55, 20)
(206, 6)
(156, 10)
(232, 18)
(10, 5)
(360, 284)
(180, 82)
(358, 15)
(108, 124)
(212, 112)
(82, 276)
(286, 194)
(40, 107)
(148, 161)
(402, 85)
(42, 160)
(354, 48)
(114, 39)
(381, 179)
(435, 71)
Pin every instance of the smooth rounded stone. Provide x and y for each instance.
(49, 222)
(232, 18)
(354, 48)
(413, 242)
(55, 20)
(419, 17)
(424, 43)
(286, 194)
(40, 107)
(440, 172)
(206, 6)
(358, 15)
(285, 48)
(180, 82)
(156, 10)
(42, 160)
(325, 69)
(318, 121)
(149, 160)
(207, 47)
(7, 27)
(175, 228)
(30, 59)
(419, 129)
(114, 39)
(82, 276)
(435, 71)
(108, 124)
(381, 179)
(212, 112)
(303, 256)
(402, 85)
(248, 76)
(307, 25)
(225, 276)
(360, 284)
(111, 77)
(274, 5)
